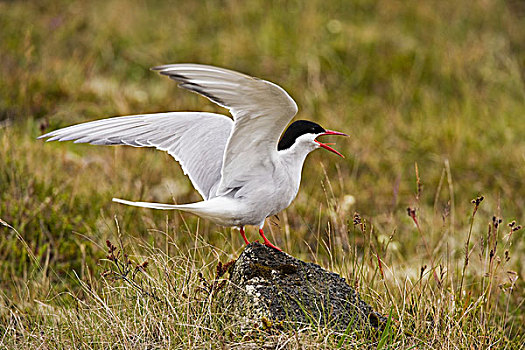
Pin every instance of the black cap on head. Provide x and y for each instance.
(296, 129)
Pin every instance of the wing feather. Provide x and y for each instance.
(261, 111)
(196, 140)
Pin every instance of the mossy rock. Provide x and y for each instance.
(271, 287)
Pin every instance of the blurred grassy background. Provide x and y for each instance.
(437, 83)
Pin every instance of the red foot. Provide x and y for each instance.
(266, 241)
(244, 236)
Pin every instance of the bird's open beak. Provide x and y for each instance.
(325, 146)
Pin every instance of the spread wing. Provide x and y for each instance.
(195, 139)
(261, 111)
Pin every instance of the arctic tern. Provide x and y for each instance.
(243, 169)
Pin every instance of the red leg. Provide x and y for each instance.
(266, 241)
(244, 236)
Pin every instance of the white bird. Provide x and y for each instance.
(242, 168)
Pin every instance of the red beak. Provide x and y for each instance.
(325, 146)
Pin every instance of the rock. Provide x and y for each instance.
(268, 287)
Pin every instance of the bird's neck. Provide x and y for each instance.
(292, 159)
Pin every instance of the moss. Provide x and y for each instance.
(287, 269)
(259, 270)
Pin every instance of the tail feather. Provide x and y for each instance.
(150, 205)
(221, 210)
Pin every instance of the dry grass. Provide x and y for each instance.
(431, 93)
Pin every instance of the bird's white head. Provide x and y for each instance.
(302, 135)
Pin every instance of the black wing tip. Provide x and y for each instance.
(164, 70)
(157, 68)
(176, 76)
(186, 83)
(166, 66)
(198, 89)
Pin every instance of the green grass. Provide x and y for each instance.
(435, 86)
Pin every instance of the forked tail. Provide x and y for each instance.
(151, 205)
(221, 210)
